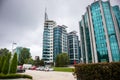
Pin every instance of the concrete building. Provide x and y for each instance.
(100, 33)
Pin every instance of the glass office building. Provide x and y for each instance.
(18, 51)
(100, 34)
(59, 40)
(73, 47)
(47, 54)
(116, 11)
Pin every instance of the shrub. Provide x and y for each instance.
(99, 71)
(13, 66)
(1, 63)
(14, 76)
(6, 64)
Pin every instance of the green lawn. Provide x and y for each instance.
(63, 69)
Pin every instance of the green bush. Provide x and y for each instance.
(6, 64)
(14, 76)
(1, 62)
(99, 71)
(13, 66)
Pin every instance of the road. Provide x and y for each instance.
(50, 75)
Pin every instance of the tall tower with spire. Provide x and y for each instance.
(47, 54)
(46, 16)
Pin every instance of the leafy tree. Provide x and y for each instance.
(37, 62)
(25, 54)
(1, 63)
(42, 62)
(29, 61)
(4, 51)
(0, 58)
(62, 60)
(57, 62)
(13, 66)
(6, 64)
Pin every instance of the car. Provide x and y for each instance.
(48, 69)
(51, 69)
(27, 66)
(20, 69)
(40, 68)
(33, 68)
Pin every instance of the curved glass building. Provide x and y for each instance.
(100, 33)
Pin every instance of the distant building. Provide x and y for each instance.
(37, 58)
(47, 54)
(73, 48)
(18, 51)
(59, 40)
(100, 33)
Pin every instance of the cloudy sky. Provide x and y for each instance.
(21, 21)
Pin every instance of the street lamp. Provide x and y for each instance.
(13, 46)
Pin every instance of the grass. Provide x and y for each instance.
(63, 69)
(14, 76)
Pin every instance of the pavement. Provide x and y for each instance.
(50, 75)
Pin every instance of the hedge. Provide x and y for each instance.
(14, 76)
(98, 71)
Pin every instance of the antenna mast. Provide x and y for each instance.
(46, 16)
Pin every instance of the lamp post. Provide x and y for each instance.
(13, 46)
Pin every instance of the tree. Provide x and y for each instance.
(25, 54)
(13, 66)
(2, 62)
(6, 64)
(29, 61)
(42, 62)
(62, 60)
(4, 51)
(57, 62)
(37, 62)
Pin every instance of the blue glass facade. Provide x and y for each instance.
(99, 32)
(85, 40)
(18, 51)
(73, 46)
(102, 34)
(116, 11)
(111, 31)
(59, 40)
(47, 55)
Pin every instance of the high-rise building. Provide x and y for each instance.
(116, 11)
(60, 40)
(73, 47)
(47, 55)
(100, 33)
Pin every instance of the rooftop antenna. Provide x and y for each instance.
(46, 16)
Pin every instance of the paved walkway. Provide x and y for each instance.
(50, 75)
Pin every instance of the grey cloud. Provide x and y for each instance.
(22, 21)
